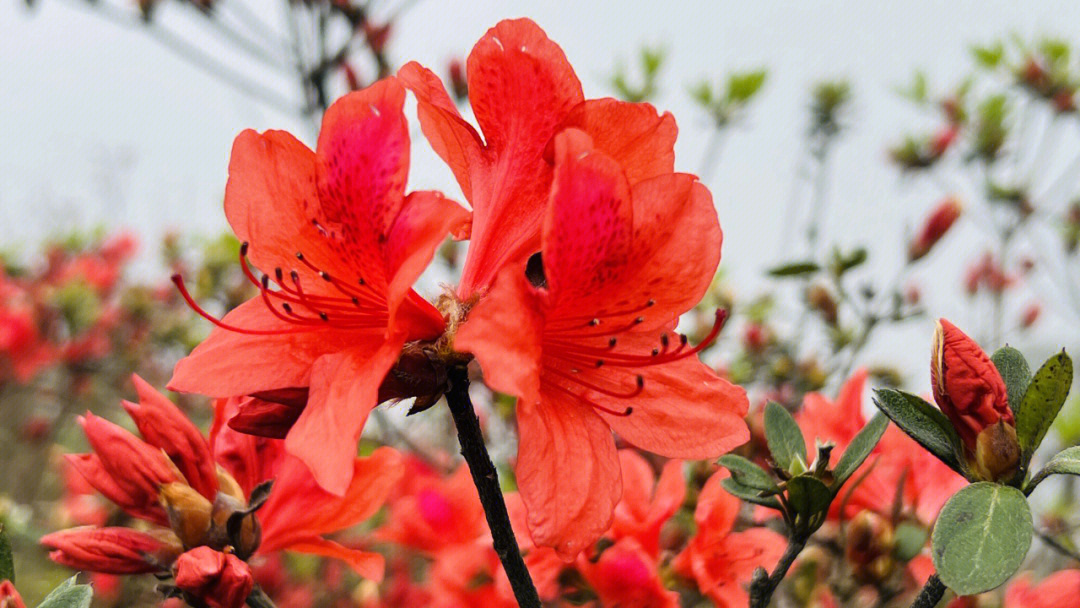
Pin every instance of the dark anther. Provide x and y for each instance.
(265, 280)
(683, 339)
(612, 342)
(651, 302)
(356, 301)
(594, 322)
(244, 248)
(641, 381)
(361, 281)
(655, 351)
(323, 316)
(639, 320)
(324, 275)
(628, 411)
(534, 271)
(599, 363)
(278, 273)
(295, 276)
(286, 306)
(664, 340)
(299, 256)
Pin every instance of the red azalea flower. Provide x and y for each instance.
(174, 478)
(719, 560)
(340, 245)
(523, 91)
(9, 596)
(647, 503)
(626, 574)
(584, 342)
(934, 228)
(435, 513)
(1059, 590)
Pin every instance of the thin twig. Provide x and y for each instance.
(762, 587)
(486, 479)
(931, 593)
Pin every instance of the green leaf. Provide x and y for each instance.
(1042, 401)
(1014, 370)
(744, 85)
(910, 540)
(69, 595)
(809, 500)
(794, 269)
(981, 537)
(7, 559)
(784, 436)
(988, 56)
(749, 494)
(859, 448)
(748, 473)
(1064, 462)
(924, 423)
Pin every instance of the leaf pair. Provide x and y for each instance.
(807, 492)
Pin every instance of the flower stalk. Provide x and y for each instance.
(486, 479)
(763, 585)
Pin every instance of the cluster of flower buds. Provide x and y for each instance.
(971, 393)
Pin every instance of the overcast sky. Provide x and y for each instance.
(101, 125)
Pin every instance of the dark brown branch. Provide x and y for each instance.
(486, 479)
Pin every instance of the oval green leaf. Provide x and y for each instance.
(981, 537)
(859, 448)
(809, 500)
(749, 494)
(1066, 462)
(924, 423)
(1043, 400)
(748, 473)
(1015, 371)
(69, 595)
(796, 269)
(785, 438)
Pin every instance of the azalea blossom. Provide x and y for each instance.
(589, 347)
(523, 91)
(720, 560)
(189, 488)
(1059, 590)
(339, 244)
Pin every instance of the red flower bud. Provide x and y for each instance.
(140, 505)
(969, 390)
(1030, 315)
(221, 580)
(137, 468)
(9, 596)
(943, 139)
(935, 227)
(458, 85)
(112, 550)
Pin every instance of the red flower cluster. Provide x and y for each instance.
(207, 503)
(586, 247)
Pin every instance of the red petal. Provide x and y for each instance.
(503, 332)
(249, 459)
(230, 363)
(367, 564)
(639, 139)
(344, 389)
(567, 471)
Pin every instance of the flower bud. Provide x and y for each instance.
(9, 596)
(137, 468)
(941, 141)
(970, 392)
(935, 227)
(219, 579)
(112, 550)
(458, 84)
(165, 427)
(870, 542)
(188, 511)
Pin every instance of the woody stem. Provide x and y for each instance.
(258, 598)
(931, 593)
(486, 479)
(763, 586)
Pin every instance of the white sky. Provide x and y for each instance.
(99, 124)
